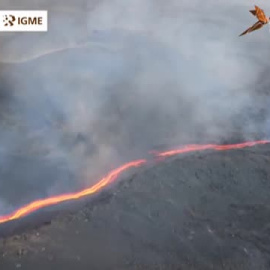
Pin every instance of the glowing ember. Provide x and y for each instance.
(34, 206)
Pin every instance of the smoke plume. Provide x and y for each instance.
(111, 80)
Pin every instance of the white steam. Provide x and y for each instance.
(113, 79)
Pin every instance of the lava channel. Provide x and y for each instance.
(201, 147)
(35, 205)
(112, 176)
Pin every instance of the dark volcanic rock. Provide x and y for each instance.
(207, 210)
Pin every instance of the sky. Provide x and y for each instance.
(111, 80)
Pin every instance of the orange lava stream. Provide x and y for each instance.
(35, 205)
(200, 147)
(38, 204)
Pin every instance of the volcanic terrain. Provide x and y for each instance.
(201, 210)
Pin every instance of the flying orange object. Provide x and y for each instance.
(262, 20)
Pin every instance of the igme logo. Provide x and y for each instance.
(9, 20)
(23, 20)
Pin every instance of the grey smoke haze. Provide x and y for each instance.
(114, 79)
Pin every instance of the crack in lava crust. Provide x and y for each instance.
(113, 175)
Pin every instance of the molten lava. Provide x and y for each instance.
(218, 147)
(35, 205)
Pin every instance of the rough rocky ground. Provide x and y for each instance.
(204, 210)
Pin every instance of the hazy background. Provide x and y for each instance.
(111, 80)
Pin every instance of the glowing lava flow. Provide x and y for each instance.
(218, 147)
(33, 206)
